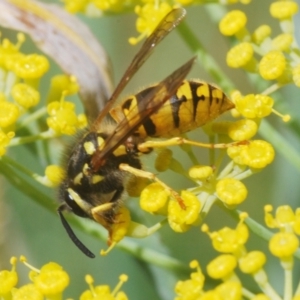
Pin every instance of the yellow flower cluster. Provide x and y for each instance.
(20, 77)
(49, 282)
(20, 74)
(149, 13)
(273, 59)
(231, 243)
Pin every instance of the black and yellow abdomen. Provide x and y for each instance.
(195, 104)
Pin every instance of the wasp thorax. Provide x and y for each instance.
(87, 191)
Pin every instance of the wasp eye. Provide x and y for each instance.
(76, 209)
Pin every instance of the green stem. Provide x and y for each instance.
(32, 138)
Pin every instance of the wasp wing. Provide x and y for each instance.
(149, 105)
(168, 23)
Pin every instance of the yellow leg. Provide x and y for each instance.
(151, 176)
(180, 141)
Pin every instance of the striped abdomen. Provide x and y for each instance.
(194, 104)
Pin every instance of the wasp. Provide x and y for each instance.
(106, 154)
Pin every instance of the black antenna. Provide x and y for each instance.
(72, 235)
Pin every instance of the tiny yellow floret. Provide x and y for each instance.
(8, 279)
(231, 191)
(261, 33)
(149, 16)
(233, 22)
(200, 172)
(257, 154)
(153, 197)
(9, 113)
(222, 266)
(283, 244)
(231, 290)
(242, 130)
(272, 65)
(254, 106)
(283, 9)
(240, 55)
(283, 42)
(52, 279)
(55, 174)
(31, 66)
(28, 291)
(63, 119)
(252, 262)
(181, 219)
(25, 95)
(228, 240)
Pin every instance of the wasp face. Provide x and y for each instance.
(85, 189)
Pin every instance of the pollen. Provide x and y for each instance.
(272, 65)
(233, 22)
(231, 191)
(283, 9)
(242, 130)
(31, 66)
(240, 55)
(9, 113)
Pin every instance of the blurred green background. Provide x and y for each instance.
(27, 228)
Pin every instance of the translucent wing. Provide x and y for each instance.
(149, 104)
(168, 23)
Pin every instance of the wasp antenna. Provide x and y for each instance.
(72, 235)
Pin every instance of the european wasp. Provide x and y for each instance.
(104, 156)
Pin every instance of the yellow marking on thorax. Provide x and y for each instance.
(121, 150)
(78, 177)
(86, 169)
(89, 148)
(97, 178)
(101, 142)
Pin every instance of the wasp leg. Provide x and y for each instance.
(151, 176)
(180, 141)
